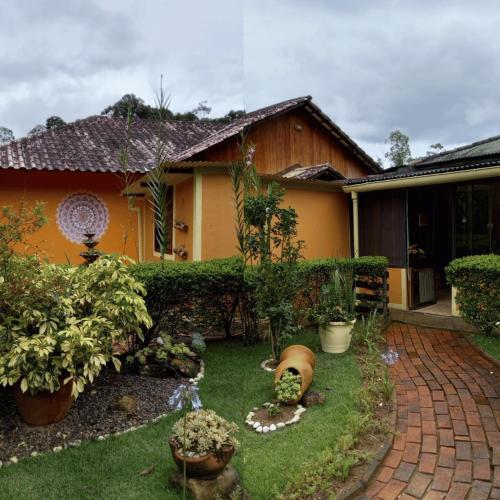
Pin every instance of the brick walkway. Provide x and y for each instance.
(448, 418)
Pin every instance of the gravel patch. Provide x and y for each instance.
(94, 413)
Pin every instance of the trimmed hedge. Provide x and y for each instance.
(477, 280)
(185, 296)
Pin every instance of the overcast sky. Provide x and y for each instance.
(428, 67)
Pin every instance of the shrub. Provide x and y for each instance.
(477, 280)
(64, 326)
(187, 295)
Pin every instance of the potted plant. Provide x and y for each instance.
(210, 443)
(335, 312)
(62, 333)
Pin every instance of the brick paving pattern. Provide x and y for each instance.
(447, 444)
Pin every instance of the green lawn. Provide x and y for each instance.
(491, 345)
(233, 384)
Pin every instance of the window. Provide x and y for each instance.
(170, 223)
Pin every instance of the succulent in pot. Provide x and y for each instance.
(63, 333)
(288, 387)
(209, 443)
(335, 311)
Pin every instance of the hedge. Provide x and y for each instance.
(185, 296)
(477, 280)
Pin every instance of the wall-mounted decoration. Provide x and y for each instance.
(82, 213)
(181, 226)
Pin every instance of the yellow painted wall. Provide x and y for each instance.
(323, 220)
(396, 282)
(52, 188)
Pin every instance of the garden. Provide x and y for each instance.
(224, 378)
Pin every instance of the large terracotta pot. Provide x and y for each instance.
(336, 337)
(298, 366)
(208, 466)
(44, 407)
(300, 351)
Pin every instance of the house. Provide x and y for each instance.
(75, 170)
(424, 215)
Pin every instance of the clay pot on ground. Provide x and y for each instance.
(44, 407)
(336, 336)
(301, 351)
(207, 466)
(299, 360)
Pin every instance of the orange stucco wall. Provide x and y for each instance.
(323, 220)
(51, 188)
(395, 286)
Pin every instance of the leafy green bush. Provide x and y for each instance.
(64, 325)
(477, 280)
(189, 295)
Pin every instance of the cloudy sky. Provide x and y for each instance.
(428, 67)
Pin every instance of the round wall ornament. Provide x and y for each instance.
(81, 213)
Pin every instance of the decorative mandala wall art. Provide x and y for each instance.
(81, 213)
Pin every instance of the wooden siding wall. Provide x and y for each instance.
(290, 139)
(382, 225)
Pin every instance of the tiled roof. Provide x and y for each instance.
(93, 144)
(323, 172)
(481, 154)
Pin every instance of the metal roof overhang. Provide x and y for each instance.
(424, 180)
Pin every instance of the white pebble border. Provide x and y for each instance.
(264, 366)
(78, 442)
(264, 429)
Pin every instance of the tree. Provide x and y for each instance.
(129, 103)
(37, 129)
(6, 135)
(399, 153)
(434, 149)
(54, 122)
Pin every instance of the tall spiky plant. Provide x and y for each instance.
(155, 179)
(245, 182)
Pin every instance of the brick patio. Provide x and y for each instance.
(448, 417)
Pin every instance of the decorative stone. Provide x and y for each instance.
(100, 438)
(280, 425)
(312, 398)
(272, 427)
(294, 419)
(34, 453)
(256, 425)
(259, 429)
(226, 484)
(57, 449)
(265, 429)
(127, 404)
(14, 460)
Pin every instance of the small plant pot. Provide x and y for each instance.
(44, 407)
(336, 337)
(207, 466)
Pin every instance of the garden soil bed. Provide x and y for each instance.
(94, 413)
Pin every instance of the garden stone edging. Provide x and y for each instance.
(75, 444)
(264, 366)
(258, 427)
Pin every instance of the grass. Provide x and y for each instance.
(491, 344)
(233, 384)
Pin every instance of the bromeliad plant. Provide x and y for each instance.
(337, 299)
(63, 328)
